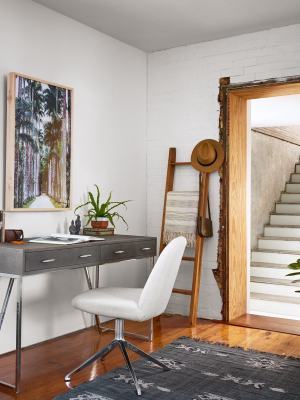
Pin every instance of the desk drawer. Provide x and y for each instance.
(145, 248)
(41, 260)
(128, 250)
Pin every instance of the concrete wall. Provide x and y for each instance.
(110, 82)
(183, 109)
(272, 161)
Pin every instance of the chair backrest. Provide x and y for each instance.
(157, 291)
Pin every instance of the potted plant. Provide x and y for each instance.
(295, 266)
(101, 214)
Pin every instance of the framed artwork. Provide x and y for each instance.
(38, 145)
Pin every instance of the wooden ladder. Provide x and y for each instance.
(194, 293)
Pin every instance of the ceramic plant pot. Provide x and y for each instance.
(100, 223)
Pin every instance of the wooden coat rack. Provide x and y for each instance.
(194, 293)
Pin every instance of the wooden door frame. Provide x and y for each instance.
(231, 274)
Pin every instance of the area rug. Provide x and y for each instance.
(199, 371)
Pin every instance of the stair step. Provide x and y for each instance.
(292, 187)
(279, 299)
(267, 265)
(277, 305)
(285, 219)
(289, 197)
(275, 256)
(282, 231)
(297, 168)
(295, 177)
(274, 281)
(283, 243)
(278, 289)
(273, 273)
(287, 208)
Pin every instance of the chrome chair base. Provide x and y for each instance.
(120, 342)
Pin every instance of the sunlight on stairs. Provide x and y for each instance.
(271, 292)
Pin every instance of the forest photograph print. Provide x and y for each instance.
(42, 145)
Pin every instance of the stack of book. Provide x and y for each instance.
(98, 231)
(2, 226)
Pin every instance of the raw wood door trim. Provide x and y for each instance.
(236, 95)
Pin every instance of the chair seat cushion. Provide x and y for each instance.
(112, 302)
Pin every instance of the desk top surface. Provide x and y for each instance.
(33, 258)
(109, 239)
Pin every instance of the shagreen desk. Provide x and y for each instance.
(17, 261)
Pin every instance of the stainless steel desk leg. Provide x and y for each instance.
(16, 386)
(90, 286)
(18, 333)
(6, 300)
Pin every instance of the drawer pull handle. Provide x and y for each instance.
(119, 252)
(50, 260)
(85, 255)
(146, 248)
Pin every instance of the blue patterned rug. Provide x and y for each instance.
(199, 371)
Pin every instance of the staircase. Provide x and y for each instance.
(271, 292)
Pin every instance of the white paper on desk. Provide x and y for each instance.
(80, 238)
(64, 239)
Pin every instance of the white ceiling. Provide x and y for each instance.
(153, 25)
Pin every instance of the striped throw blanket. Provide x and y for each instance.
(181, 216)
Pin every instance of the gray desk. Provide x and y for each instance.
(17, 261)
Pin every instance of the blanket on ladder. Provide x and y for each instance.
(181, 216)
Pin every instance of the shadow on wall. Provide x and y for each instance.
(272, 162)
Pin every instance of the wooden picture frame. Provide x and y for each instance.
(38, 145)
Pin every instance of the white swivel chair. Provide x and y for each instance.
(134, 304)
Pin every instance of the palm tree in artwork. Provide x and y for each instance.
(23, 124)
(52, 139)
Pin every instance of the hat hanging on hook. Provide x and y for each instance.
(207, 156)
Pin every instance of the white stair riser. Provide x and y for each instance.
(277, 290)
(292, 188)
(275, 307)
(282, 232)
(279, 244)
(285, 220)
(290, 198)
(297, 169)
(295, 177)
(271, 273)
(274, 258)
(284, 208)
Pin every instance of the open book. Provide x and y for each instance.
(63, 238)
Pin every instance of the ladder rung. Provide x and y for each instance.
(182, 291)
(181, 163)
(188, 258)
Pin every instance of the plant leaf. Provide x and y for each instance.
(294, 266)
(293, 273)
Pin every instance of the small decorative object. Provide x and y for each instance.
(101, 215)
(14, 236)
(72, 228)
(78, 225)
(296, 267)
(98, 231)
(39, 145)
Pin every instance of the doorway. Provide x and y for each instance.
(235, 248)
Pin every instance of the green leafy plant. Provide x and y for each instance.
(103, 210)
(295, 266)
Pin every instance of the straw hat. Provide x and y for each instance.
(207, 156)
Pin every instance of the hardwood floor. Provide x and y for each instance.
(45, 365)
(283, 325)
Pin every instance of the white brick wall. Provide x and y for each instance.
(183, 109)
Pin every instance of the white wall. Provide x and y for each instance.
(183, 109)
(109, 81)
(275, 111)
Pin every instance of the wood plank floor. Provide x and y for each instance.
(283, 325)
(45, 365)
